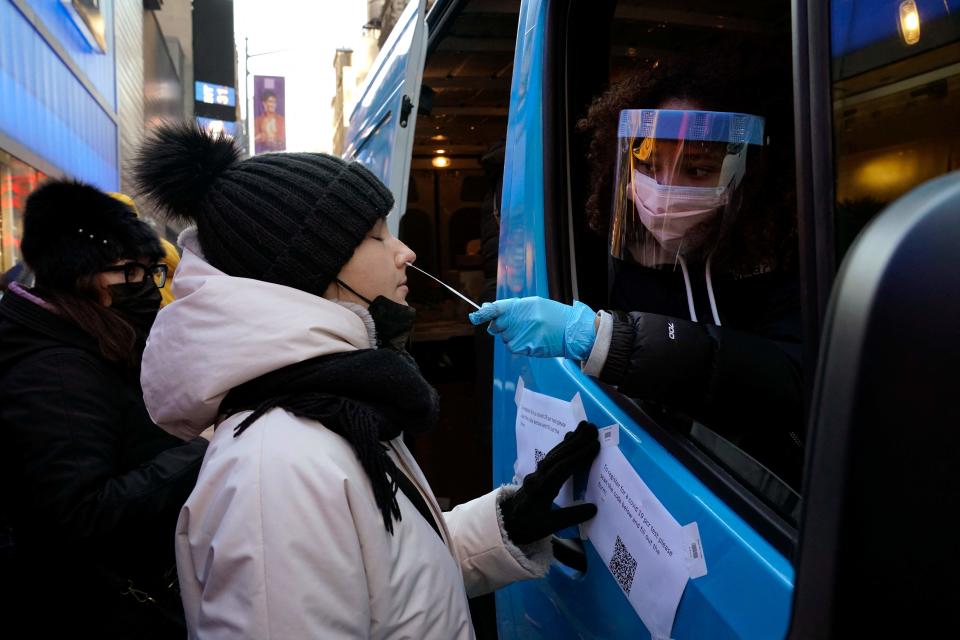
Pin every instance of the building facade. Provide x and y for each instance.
(80, 83)
(351, 67)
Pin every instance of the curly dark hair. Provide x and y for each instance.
(764, 232)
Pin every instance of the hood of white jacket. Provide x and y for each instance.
(222, 331)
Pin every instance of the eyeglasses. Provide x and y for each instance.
(136, 272)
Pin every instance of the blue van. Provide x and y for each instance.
(474, 114)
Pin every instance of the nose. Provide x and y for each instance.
(405, 255)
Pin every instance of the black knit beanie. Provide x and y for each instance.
(72, 229)
(289, 218)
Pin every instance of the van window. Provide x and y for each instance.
(896, 100)
(730, 399)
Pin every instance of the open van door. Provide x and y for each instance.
(382, 124)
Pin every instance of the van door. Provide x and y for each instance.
(382, 124)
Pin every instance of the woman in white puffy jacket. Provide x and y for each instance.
(310, 518)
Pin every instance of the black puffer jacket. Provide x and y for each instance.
(91, 486)
(742, 379)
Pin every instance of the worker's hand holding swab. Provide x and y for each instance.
(540, 327)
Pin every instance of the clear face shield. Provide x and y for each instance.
(677, 171)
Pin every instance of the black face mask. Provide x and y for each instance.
(137, 302)
(392, 320)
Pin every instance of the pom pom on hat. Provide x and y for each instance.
(177, 166)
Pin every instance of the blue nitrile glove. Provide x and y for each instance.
(540, 327)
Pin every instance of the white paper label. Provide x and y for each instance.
(542, 421)
(643, 546)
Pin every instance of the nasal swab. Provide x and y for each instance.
(460, 295)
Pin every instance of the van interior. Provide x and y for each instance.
(451, 222)
(895, 106)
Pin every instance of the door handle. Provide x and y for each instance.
(406, 106)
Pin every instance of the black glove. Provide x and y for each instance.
(528, 514)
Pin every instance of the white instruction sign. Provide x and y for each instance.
(542, 421)
(645, 549)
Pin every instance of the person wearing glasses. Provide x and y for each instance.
(91, 486)
(171, 257)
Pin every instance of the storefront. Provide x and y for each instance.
(17, 180)
(58, 102)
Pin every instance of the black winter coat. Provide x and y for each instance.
(742, 379)
(91, 486)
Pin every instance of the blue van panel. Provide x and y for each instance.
(522, 270)
(376, 116)
(46, 109)
(747, 592)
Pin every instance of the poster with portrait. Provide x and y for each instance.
(269, 129)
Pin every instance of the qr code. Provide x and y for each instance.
(538, 456)
(623, 566)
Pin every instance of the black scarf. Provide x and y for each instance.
(367, 397)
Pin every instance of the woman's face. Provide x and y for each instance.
(107, 278)
(378, 267)
(681, 164)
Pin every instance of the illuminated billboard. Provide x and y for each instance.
(215, 94)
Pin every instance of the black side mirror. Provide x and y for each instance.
(876, 556)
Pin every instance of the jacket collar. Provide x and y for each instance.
(222, 331)
(23, 311)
